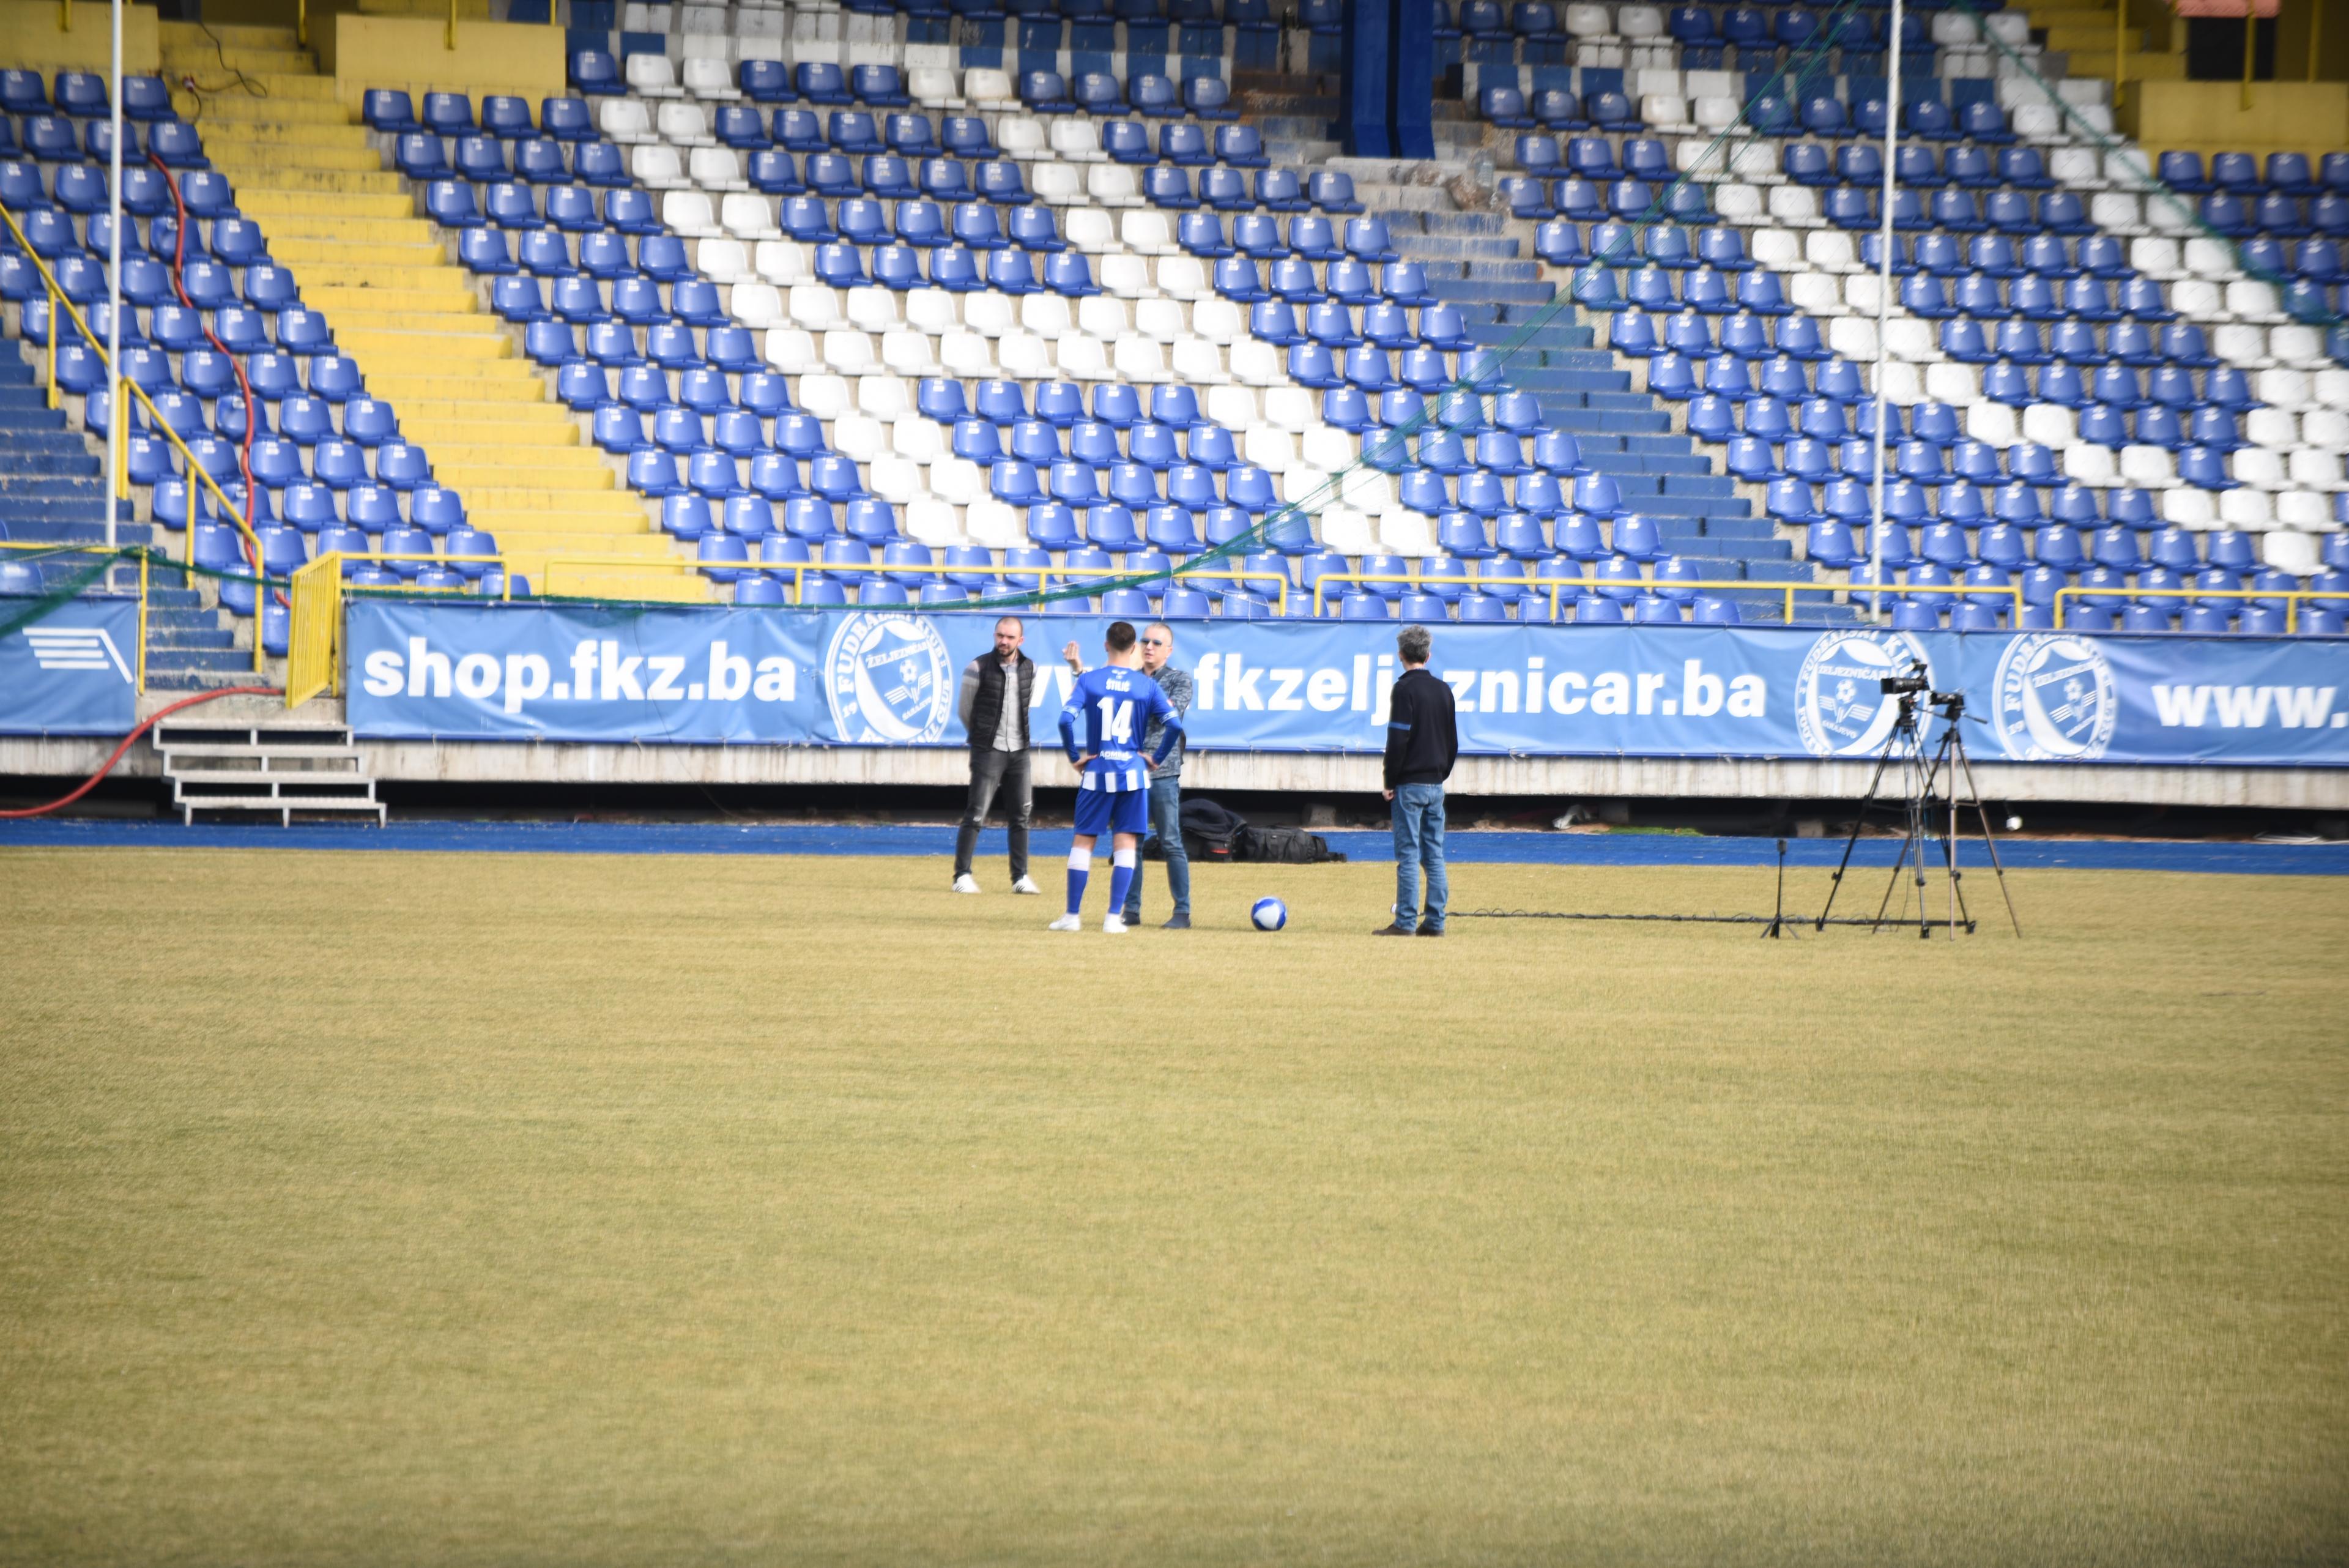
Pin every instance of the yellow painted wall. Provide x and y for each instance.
(31, 40)
(2209, 117)
(411, 52)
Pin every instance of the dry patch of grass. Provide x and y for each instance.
(520, 1209)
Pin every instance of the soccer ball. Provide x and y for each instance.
(1269, 914)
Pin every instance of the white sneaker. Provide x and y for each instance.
(966, 883)
(1026, 885)
(1115, 925)
(1066, 923)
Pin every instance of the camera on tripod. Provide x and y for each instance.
(1917, 683)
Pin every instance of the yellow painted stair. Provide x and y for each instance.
(412, 318)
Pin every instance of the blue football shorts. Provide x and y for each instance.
(1100, 811)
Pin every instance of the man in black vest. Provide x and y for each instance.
(996, 690)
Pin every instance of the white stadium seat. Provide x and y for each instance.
(688, 214)
(909, 352)
(746, 215)
(792, 351)
(716, 169)
(757, 306)
(1046, 315)
(682, 124)
(781, 261)
(722, 261)
(651, 75)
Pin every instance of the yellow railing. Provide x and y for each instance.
(314, 629)
(58, 302)
(2120, 51)
(138, 682)
(799, 569)
(1590, 583)
(314, 621)
(2292, 597)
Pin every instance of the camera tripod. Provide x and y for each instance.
(1930, 800)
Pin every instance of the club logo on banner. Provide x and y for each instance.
(2053, 698)
(889, 679)
(1840, 709)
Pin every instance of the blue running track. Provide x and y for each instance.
(1509, 848)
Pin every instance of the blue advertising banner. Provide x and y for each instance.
(717, 674)
(73, 672)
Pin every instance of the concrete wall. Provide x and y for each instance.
(2209, 117)
(1563, 778)
(413, 52)
(30, 39)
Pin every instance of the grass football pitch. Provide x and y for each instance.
(518, 1210)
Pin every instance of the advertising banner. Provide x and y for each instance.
(717, 674)
(73, 672)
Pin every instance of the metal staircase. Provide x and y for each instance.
(313, 770)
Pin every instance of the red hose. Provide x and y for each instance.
(156, 718)
(244, 387)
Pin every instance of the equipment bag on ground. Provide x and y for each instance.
(1207, 830)
(1281, 846)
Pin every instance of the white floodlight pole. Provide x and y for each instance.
(1884, 313)
(114, 411)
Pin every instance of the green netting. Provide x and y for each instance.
(94, 563)
(1288, 527)
(2318, 313)
(1486, 373)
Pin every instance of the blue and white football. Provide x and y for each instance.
(1269, 914)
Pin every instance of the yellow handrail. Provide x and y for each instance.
(799, 569)
(452, 24)
(140, 683)
(1592, 583)
(65, 15)
(2250, 45)
(302, 22)
(2120, 51)
(58, 301)
(314, 655)
(2291, 597)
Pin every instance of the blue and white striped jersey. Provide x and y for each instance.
(1116, 706)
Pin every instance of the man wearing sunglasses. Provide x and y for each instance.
(1165, 779)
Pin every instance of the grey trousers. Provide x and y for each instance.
(993, 772)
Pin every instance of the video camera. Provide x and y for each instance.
(1916, 681)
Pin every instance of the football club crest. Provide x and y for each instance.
(1840, 710)
(888, 681)
(2053, 699)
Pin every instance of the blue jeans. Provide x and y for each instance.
(1419, 841)
(1166, 822)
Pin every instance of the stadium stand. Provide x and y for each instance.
(826, 303)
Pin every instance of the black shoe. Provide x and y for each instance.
(1394, 931)
(1429, 931)
(1179, 923)
(1132, 917)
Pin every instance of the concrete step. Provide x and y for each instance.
(411, 348)
(332, 214)
(245, 109)
(278, 182)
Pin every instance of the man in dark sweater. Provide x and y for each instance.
(997, 689)
(1423, 743)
